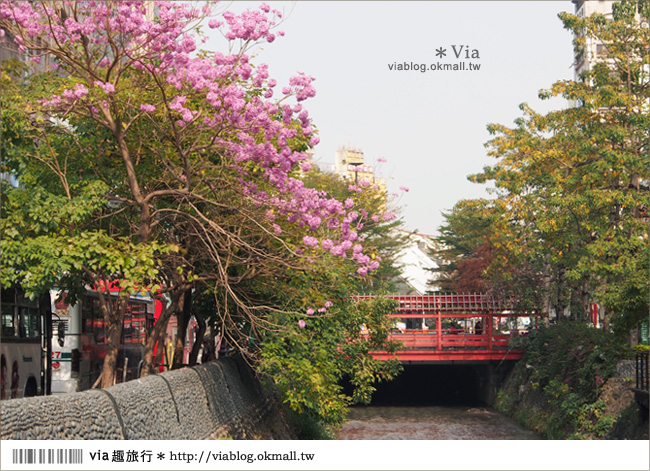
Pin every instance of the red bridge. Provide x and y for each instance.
(454, 328)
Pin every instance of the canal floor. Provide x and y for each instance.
(430, 423)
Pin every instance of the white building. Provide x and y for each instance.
(416, 264)
(594, 49)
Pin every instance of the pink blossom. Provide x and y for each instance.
(381, 160)
(80, 91)
(106, 86)
(404, 188)
(187, 116)
(310, 311)
(363, 259)
(301, 324)
(310, 241)
(329, 304)
(53, 102)
(177, 104)
(248, 128)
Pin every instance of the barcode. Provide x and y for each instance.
(48, 456)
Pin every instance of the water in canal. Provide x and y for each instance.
(431, 403)
(431, 423)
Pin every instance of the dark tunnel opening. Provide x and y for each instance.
(448, 385)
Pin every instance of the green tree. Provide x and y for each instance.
(575, 181)
(179, 166)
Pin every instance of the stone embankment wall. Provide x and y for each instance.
(221, 399)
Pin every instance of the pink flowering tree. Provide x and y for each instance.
(322, 349)
(196, 154)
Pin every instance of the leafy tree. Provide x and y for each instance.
(575, 181)
(178, 165)
(464, 242)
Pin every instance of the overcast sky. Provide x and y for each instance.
(431, 126)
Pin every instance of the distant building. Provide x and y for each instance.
(585, 60)
(350, 164)
(595, 51)
(416, 265)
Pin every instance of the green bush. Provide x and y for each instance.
(575, 355)
(567, 364)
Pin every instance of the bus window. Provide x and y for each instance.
(29, 323)
(8, 328)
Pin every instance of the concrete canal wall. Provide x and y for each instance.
(221, 399)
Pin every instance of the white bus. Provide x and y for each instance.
(21, 348)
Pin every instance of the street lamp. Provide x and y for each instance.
(356, 170)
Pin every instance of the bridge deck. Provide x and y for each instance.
(473, 327)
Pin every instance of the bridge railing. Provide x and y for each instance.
(458, 323)
(469, 303)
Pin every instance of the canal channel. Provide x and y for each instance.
(431, 403)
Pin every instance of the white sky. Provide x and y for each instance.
(431, 127)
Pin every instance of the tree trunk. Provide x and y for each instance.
(157, 333)
(184, 314)
(196, 348)
(113, 310)
(160, 351)
(560, 300)
(144, 228)
(585, 301)
(546, 293)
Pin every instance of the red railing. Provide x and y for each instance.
(456, 327)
